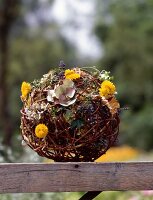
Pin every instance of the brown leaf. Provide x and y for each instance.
(113, 105)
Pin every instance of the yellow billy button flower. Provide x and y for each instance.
(71, 74)
(107, 89)
(41, 130)
(25, 89)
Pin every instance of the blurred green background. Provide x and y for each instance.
(114, 35)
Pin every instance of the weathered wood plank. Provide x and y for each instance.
(60, 177)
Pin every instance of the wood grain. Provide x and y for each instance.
(62, 177)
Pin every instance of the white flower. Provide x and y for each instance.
(62, 94)
(104, 75)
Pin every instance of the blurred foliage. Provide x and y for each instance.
(31, 52)
(119, 195)
(30, 58)
(143, 195)
(126, 34)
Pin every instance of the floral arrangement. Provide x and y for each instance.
(70, 114)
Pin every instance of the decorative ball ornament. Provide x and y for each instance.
(70, 114)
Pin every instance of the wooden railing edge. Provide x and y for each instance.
(71, 177)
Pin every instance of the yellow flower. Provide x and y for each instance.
(117, 154)
(25, 89)
(71, 74)
(107, 89)
(41, 130)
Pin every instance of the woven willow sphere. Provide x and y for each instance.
(70, 115)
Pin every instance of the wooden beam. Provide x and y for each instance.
(71, 177)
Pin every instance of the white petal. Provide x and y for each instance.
(49, 98)
(50, 95)
(72, 102)
(70, 92)
(68, 83)
(68, 103)
(23, 143)
(60, 90)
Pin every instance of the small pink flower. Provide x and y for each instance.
(147, 192)
(134, 198)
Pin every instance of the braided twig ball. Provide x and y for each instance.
(66, 118)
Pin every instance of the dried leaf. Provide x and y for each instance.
(113, 105)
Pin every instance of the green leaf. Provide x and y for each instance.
(78, 123)
(68, 115)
